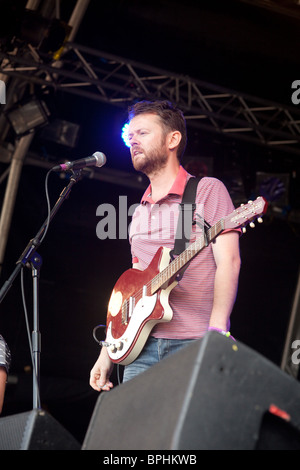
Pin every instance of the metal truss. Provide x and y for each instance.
(118, 81)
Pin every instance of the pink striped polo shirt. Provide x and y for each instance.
(154, 225)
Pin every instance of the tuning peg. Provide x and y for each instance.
(252, 224)
(260, 220)
(250, 202)
(244, 230)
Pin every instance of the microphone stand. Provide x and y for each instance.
(31, 257)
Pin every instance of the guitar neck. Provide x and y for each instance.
(185, 257)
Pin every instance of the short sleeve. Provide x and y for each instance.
(5, 355)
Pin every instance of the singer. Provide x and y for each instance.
(204, 297)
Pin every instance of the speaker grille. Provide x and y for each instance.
(211, 395)
(12, 431)
(34, 430)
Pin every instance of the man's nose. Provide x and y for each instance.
(134, 141)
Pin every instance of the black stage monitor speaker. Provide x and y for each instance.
(34, 430)
(214, 394)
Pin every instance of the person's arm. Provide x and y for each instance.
(227, 257)
(100, 373)
(5, 361)
(3, 379)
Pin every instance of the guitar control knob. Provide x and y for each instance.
(113, 348)
(119, 345)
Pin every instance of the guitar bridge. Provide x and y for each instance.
(124, 313)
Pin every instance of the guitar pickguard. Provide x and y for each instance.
(130, 318)
(120, 346)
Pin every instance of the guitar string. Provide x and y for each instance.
(192, 250)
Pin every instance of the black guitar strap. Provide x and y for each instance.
(186, 215)
(185, 220)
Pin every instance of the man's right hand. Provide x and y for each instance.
(100, 373)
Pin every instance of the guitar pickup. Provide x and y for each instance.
(131, 305)
(144, 294)
(127, 309)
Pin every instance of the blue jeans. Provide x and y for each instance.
(154, 351)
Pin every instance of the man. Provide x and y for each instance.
(5, 359)
(205, 295)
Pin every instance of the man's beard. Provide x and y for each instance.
(151, 162)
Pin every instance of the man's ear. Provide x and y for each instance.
(174, 139)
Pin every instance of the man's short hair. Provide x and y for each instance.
(171, 118)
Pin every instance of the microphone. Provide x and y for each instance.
(97, 159)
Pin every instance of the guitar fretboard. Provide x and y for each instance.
(185, 257)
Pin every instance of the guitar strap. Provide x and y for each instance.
(185, 220)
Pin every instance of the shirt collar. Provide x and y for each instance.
(177, 187)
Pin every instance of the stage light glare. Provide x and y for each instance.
(125, 134)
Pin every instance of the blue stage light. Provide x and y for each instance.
(125, 134)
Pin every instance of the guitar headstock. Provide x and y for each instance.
(246, 214)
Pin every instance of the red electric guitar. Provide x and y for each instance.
(139, 299)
